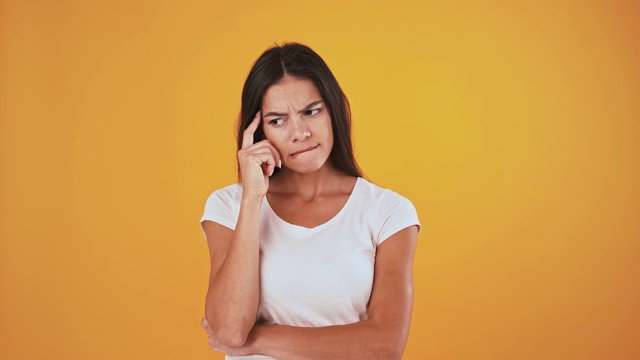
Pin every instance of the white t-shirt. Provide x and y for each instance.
(319, 276)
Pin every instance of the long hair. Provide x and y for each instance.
(297, 60)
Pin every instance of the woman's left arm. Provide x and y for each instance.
(382, 336)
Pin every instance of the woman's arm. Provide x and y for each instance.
(234, 283)
(382, 336)
(232, 299)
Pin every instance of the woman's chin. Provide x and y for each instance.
(305, 167)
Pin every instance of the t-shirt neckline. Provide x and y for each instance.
(323, 225)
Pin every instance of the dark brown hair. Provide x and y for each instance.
(297, 60)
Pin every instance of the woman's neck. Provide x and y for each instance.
(309, 186)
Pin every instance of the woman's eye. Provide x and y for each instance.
(313, 112)
(277, 122)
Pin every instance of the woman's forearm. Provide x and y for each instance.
(363, 340)
(233, 296)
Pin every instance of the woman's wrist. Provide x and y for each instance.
(251, 200)
(256, 341)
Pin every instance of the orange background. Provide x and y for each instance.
(513, 127)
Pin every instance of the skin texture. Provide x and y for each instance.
(308, 191)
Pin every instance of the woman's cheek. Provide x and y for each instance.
(277, 142)
(281, 151)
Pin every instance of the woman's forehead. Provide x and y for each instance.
(291, 91)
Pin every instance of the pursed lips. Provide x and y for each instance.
(295, 154)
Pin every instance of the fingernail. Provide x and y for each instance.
(280, 164)
(257, 114)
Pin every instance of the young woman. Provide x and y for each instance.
(308, 259)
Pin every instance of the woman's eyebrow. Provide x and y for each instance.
(306, 108)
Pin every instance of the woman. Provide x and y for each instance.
(308, 259)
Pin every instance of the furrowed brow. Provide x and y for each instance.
(306, 108)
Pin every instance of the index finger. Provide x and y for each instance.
(247, 137)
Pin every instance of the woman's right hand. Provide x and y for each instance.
(257, 161)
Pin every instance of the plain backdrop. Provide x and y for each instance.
(513, 126)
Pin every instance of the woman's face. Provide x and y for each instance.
(297, 123)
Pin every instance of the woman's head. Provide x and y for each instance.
(299, 62)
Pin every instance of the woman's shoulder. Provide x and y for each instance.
(231, 193)
(388, 211)
(223, 205)
(375, 192)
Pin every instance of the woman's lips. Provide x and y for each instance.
(295, 154)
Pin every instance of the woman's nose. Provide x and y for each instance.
(299, 131)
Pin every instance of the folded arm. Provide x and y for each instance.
(382, 336)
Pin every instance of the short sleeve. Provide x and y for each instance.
(223, 207)
(396, 213)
